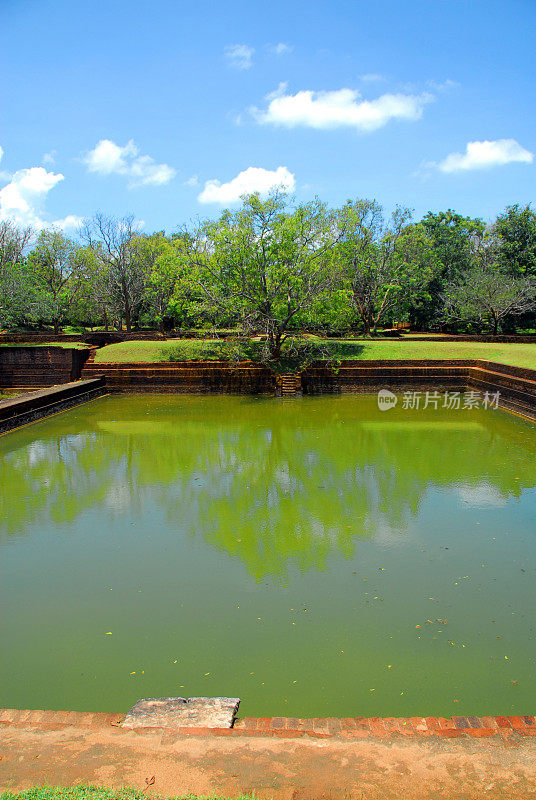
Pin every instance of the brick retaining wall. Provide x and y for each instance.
(517, 385)
(27, 367)
(193, 377)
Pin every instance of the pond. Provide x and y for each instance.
(314, 557)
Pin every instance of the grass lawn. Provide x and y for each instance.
(521, 355)
(81, 793)
(155, 351)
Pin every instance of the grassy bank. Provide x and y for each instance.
(522, 355)
(84, 793)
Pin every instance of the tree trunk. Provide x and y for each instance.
(128, 320)
(274, 344)
(56, 327)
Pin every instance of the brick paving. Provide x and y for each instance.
(288, 727)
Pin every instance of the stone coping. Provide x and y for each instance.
(291, 727)
(31, 406)
(42, 397)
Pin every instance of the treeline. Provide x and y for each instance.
(274, 267)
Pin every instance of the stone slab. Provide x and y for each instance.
(179, 712)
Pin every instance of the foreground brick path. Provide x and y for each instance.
(276, 758)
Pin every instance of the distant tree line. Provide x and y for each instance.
(276, 267)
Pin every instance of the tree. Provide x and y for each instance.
(159, 259)
(387, 266)
(56, 268)
(487, 293)
(17, 293)
(267, 263)
(516, 232)
(14, 242)
(112, 242)
(453, 237)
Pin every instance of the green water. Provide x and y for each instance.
(284, 552)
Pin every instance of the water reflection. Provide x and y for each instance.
(275, 484)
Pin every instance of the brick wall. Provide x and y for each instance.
(28, 367)
(195, 377)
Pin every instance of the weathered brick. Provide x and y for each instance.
(278, 723)
(502, 722)
(377, 727)
(250, 723)
(474, 722)
(489, 722)
(8, 714)
(419, 724)
(461, 723)
(334, 725)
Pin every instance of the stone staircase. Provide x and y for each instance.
(290, 385)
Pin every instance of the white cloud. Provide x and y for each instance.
(340, 108)
(193, 181)
(280, 49)
(21, 199)
(486, 154)
(443, 86)
(239, 56)
(69, 223)
(372, 77)
(50, 158)
(4, 175)
(253, 179)
(107, 157)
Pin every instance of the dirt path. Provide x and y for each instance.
(338, 768)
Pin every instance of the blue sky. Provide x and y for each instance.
(170, 109)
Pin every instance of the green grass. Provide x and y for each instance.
(84, 793)
(522, 355)
(122, 352)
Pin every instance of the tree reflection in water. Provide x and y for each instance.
(273, 483)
